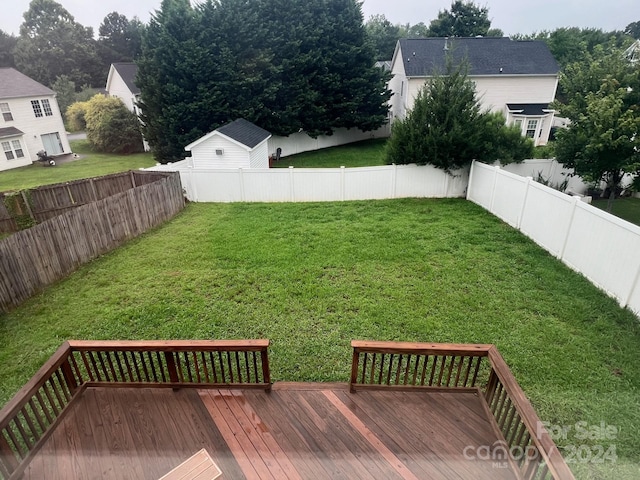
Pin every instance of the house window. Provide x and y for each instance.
(532, 126)
(47, 107)
(6, 112)
(12, 149)
(37, 111)
(38, 108)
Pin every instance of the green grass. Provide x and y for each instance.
(311, 277)
(627, 208)
(92, 165)
(360, 154)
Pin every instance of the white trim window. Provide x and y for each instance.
(6, 112)
(532, 127)
(12, 149)
(41, 108)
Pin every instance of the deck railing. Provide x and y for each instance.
(39, 405)
(467, 367)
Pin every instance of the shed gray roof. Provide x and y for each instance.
(14, 84)
(128, 73)
(486, 56)
(10, 132)
(244, 132)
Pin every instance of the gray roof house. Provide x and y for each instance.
(31, 121)
(239, 144)
(516, 78)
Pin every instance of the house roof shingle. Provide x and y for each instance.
(14, 84)
(529, 109)
(10, 132)
(486, 55)
(244, 132)
(128, 73)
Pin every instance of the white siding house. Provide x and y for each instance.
(121, 84)
(239, 144)
(31, 121)
(516, 78)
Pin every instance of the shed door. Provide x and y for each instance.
(52, 143)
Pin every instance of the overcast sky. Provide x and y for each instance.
(512, 16)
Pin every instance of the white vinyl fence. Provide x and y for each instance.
(602, 247)
(317, 184)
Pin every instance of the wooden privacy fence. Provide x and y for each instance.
(467, 367)
(37, 408)
(34, 258)
(35, 205)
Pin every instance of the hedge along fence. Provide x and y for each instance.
(39, 256)
(23, 209)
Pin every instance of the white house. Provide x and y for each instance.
(239, 144)
(121, 84)
(31, 121)
(516, 78)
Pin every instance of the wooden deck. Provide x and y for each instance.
(298, 431)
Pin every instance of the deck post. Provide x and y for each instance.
(266, 373)
(354, 370)
(8, 461)
(69, 378)
(491, 387)
(171, 367)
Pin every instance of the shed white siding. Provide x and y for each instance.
(233, 155)
(259, 156)
(119, 89)
(24, 119)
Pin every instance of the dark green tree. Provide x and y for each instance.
(633, 30)
(383, 35)
(168, 79)
(120, 37)
(602, 143)
(464, 19)
(7, 47)
(52, 43)
(447, 129)
(65, 92)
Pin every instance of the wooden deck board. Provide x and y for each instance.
(296, 433)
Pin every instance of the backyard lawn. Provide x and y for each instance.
(91, 165)
(311, 277)
(360, 154)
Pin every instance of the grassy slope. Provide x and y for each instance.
(311, 277)
(360, 154)
(93, 165)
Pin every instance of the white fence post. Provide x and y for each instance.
(496, 171)
(192, 184)
(446, 184)
(394, 176)
(342, 173)
(524, 202)
(576, 200)
(241, 178)
(634, 285)
(292, 190)
(469, 185)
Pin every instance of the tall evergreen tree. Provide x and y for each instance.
(166, 79)
(7, 47)
(120, 37)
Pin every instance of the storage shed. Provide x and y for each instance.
(239, 144)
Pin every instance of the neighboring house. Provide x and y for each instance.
(31, 121)
(239, 144)
(121, 83)
(516, 78)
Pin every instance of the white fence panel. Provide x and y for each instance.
(546, 217)
(317, 184)
(482, 184)
(203, 186)
(266, 185)
(508, 197)
(605, 249)
(428, 181)
(368, 183)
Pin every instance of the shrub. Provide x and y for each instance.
(111, 128)
(76, 116)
